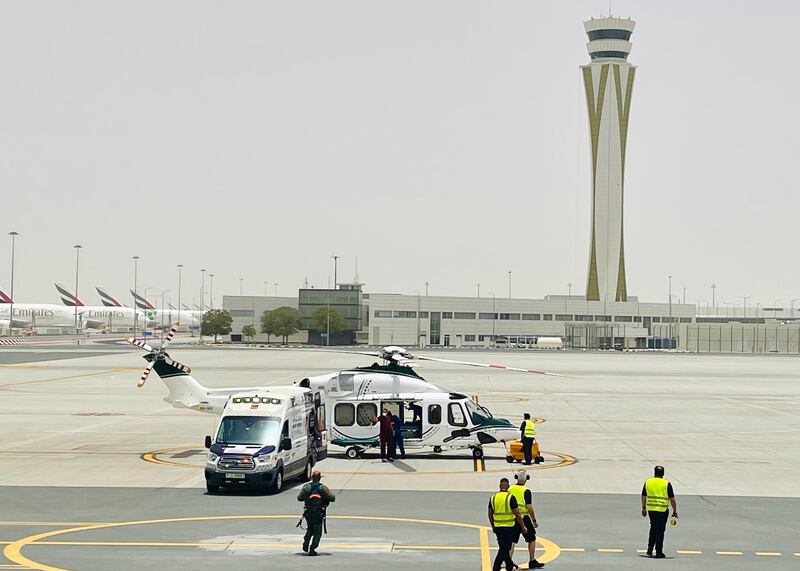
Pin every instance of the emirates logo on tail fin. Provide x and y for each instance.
(5, 298)
(67, 298)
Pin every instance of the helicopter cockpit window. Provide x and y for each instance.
(455, 415)
(477, 413)
(366, 412)
(434, 414)
(344, 414)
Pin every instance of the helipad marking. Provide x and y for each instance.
(13, 551)
(154, 457)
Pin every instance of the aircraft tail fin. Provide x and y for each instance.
(68, 298)
(141, 302)
(5, 298)
(107, 299)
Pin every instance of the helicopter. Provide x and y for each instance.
(346, 402)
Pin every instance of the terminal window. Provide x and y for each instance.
(447, 315)
(464, 315)
(531, 317)
(563, 317)
(487, 316)
(547, 317)
(405, 314)
(382, 313)
(469, 338)
(510, 316)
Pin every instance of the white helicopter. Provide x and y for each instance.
(347, 401)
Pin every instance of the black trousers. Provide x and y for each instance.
(658, 525)
(527, 449)
(313, 535)
(505, 538)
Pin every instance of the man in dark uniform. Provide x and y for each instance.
(657, 495)
(386, 435)
(527, 433)
(504, 516)
(316, 497)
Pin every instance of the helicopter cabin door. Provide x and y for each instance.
(410, 414)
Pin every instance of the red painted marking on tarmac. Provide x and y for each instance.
(497, 366)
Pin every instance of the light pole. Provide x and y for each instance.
(211, 290)
(135, 289)
(241, 286)
(714, 298)
(792, 307)
(335, 269)
(419, 304)
(77, 264)
(163, 295)
(180, 268)
(479, 290)
(494, 314)
(509, 284)
(276, 290)
(744, 308)
(202, 300)
(569, 296)
(426, 288)
(11, 314)
(684, 295)
(265, 289)
(670, 312)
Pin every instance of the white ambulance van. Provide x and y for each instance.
(264, 437)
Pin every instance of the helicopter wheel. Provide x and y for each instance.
(477, 452)
(351, 453)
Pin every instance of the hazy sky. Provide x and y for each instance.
(440, 141)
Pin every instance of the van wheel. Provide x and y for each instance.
(437, 449)
(306, 475)
(212, 489)
(277, 483)
(351, 453)
(477, 452)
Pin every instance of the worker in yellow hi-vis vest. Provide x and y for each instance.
(657, 496)
(527, 433)
(503, 515)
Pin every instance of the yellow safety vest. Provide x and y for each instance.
(501, 508)
(519, 494)
(530, 428)
(656, 490)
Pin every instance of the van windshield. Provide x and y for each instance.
(261, 430)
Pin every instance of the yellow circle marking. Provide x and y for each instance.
(564, 461)
(13, 551)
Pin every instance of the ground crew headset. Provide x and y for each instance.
(520, 473)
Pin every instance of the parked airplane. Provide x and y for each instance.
(31, 315)
(104, 315)
(170, 313)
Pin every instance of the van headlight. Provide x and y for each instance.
(264, 461)
(212, 458)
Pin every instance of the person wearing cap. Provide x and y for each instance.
(504, 516)
(525, 501)
(657, 496)
(527, 433)
(316, 498)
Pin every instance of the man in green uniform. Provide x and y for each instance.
(316, 498)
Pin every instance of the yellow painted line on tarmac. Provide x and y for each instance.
(688, 552)
(486, 556)
(610, 550)
(769, 554)
(53, 523)
(572, 550)
(54, 379)
(729, 553)
(13, 550)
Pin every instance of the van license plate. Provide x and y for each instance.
(234, 476)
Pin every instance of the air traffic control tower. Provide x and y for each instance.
(608, 81)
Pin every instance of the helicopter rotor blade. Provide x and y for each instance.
(145, 374)
(487, 366)
(177, 365)
(139, 343)
(172, 331)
